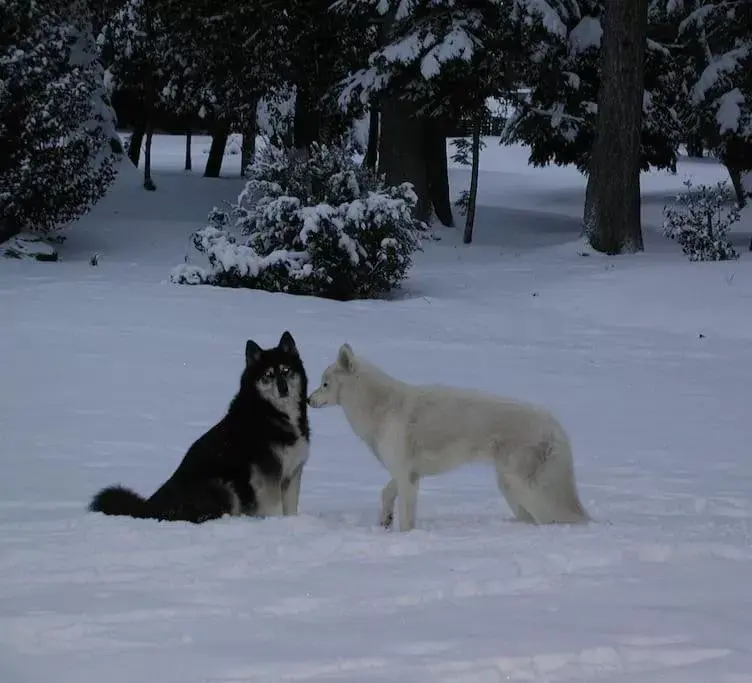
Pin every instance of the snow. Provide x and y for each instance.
(586, 35)
(110, 372)
(716, 70)
(729, 111)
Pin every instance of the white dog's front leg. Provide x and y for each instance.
(291, 493)
(388, 496)
(407, 494)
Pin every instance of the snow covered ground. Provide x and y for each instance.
(108, 373)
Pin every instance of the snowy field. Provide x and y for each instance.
(108, 374)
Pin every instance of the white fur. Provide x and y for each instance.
(417, 431)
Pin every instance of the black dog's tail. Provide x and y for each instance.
(118, 500)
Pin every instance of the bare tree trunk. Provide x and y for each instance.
(248, 146)
(437, 171)
(8, 228)
(402, 153)
(372, 150)
(136, 140)
(472, 197)
(220, 133)
(188, 159)
(695, 146)
(736, 156)
(150, 97)
(736, 181)
(148, 182)
(612, 220)
(306, 124)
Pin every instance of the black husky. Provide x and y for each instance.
(249, 463)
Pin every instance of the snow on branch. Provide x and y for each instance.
(723, 65)
(542, 9)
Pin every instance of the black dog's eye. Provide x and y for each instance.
(284, 370)
(269, 373)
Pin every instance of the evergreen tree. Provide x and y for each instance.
(58, 144)
(612, 200)
(716, 40)
(559, 62)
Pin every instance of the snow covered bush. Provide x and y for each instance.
(58, 143)
(321, 226)
(700, 221)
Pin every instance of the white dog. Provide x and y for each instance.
(417, 431)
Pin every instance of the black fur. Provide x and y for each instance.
(250, 434)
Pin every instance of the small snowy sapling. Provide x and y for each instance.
(322, 226)
(700, 220)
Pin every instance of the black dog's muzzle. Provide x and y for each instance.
(282, 387)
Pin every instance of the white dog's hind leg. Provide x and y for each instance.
(388, 496)
(541, 479)
(407, 499)
(519, 512)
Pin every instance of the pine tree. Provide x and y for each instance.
(58, 144)
(559, 62)
(612, 201)
(716, 40)
(437, 63)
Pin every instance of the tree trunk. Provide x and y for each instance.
(372, 150)
(736, 156)
(472, 197)
(695, 146)
(150, 97)
(306, 124)
(248, 146)
(188, 158)
(134, 145)
(736, 180)
(217, 150)
(402, 153)
(612, 221)
(8, 228)
(148, 182)
(437, 171)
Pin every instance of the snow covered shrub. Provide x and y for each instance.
(322, 226)
(58, 143)
(700, 221)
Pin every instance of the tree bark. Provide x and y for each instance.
(437, 171)
(472, 196)
(248, 146)
(217, 150)
(8, 228)
(134, 145)
(612, 221)
(736, 181)
(736, 156)
(695, 146)
(148, 182)
(402, 151)
(150, 97)
(188, 158)
(372, 150)
(306, 124)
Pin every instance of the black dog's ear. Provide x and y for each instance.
(252, 352)
(287, 343)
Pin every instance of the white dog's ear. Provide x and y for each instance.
(346, 358)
